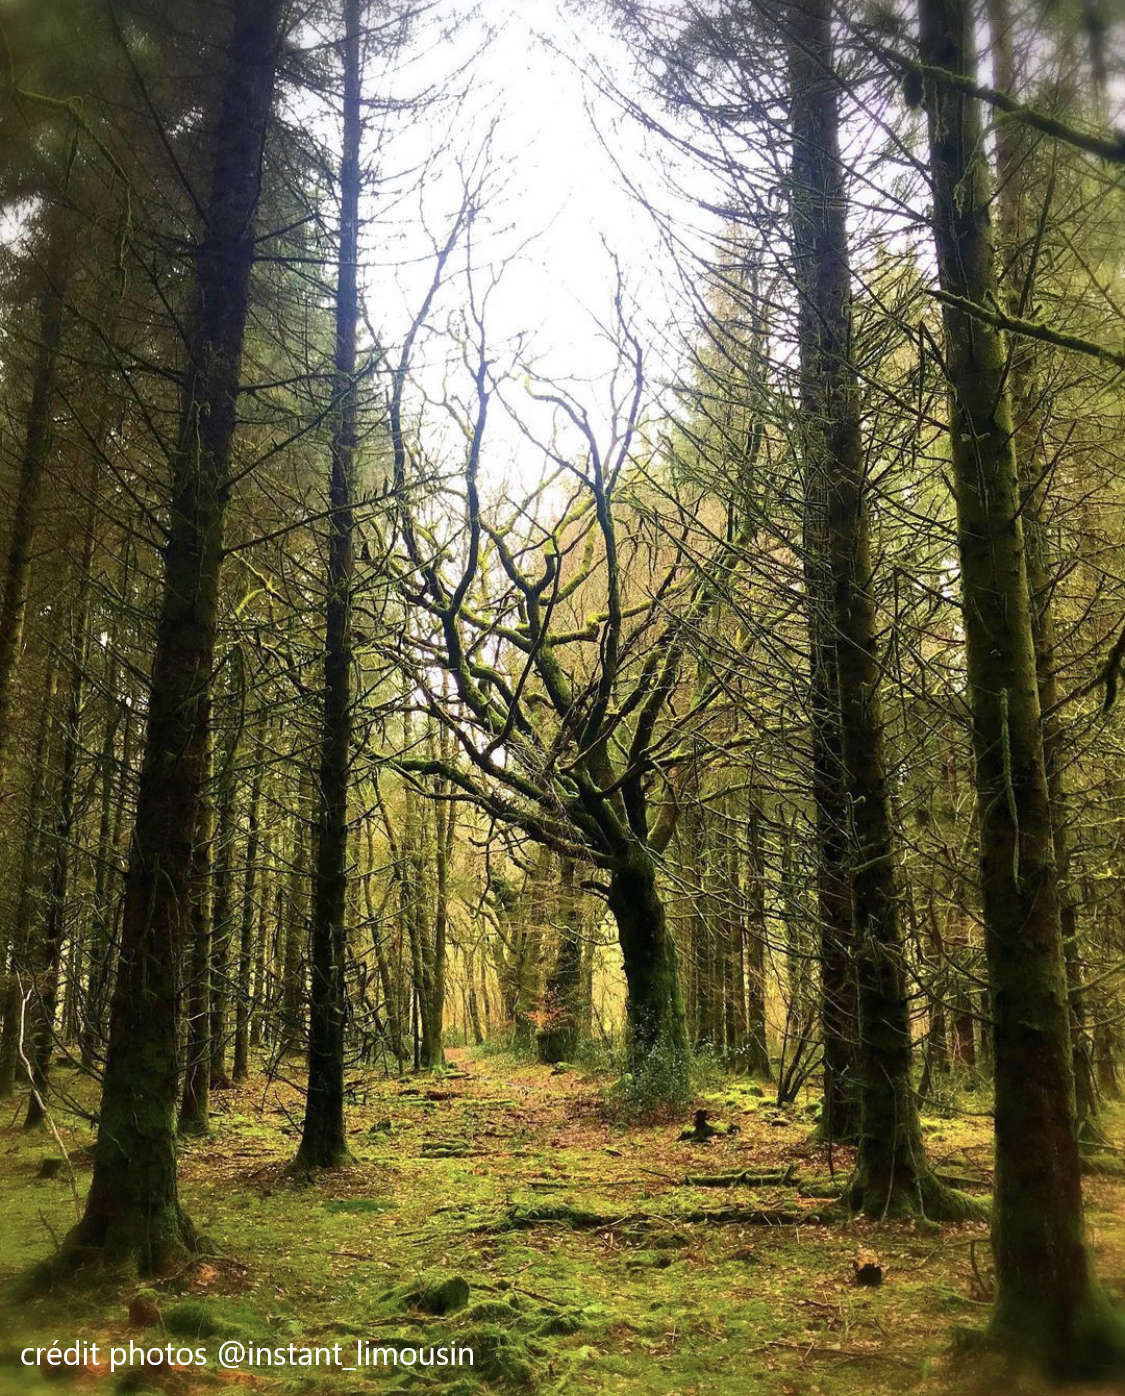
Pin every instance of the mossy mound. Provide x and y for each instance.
(492, 1311)
(501, 1356)
(434, 1292)
(560, 1325)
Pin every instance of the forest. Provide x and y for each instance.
(562, 777)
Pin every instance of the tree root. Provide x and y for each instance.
(923, 1196)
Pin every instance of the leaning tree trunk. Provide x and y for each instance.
(133, 1209)
(324, 1140)
(1047, 1305)
(891, 1170)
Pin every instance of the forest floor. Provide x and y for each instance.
(591, 1264)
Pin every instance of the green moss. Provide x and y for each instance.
(500, 1356)
(434, 1292)
(560, 1325)
(360, 1206)
(491, 1311)
(209, 1318)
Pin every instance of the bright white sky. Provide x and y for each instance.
(556, 217)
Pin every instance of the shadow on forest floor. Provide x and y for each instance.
(592, 1264)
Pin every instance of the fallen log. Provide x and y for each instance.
(746, 1178)
(562, 1214)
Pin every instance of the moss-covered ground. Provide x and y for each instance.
(589, 1264)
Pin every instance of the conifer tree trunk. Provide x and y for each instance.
(756, 1058)
(36, 447)
(58, 888)
(31, 871)
(1026, 390)
(246, 928)
(891, 1170)
(839, 1007)
(222, 897)
(295, 928)
(324, 1141)
(195, 1102)
(1047, 1306)
(133, 1209)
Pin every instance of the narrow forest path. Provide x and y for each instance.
(592, 1265)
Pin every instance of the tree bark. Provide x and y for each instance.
(891, 1170)
(324, 1140)
(31, 874)
(133, 1209)
(658, 1032)
(1012, 158)
(243, 1007)
(558, 1038)
(58, 889)
(36, 448)
(195, 1102)
(1047, 1306)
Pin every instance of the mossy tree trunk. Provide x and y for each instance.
(133, 1209)
(558, 1038)
(1014, 159)
(891, 1170)
(324, 1138)
(657, 1029)
(1047, 1306)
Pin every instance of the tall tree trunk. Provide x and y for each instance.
(133, 1208)
(324, 1140)
(195, 1102)
(756, 1059)
(1047, 1306)
(36, 447)
(1033, 469)
(58, 889)
(222, 898)
(891, 1170)
(31, 875)
(295, 930)
(242, 1013)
